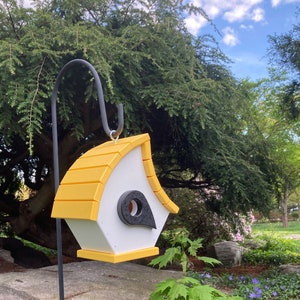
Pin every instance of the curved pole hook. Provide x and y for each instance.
(113, 134)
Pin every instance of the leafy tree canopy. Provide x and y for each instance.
(175, 86)
(284, 54)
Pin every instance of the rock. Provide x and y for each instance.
(5, 255)
(87, 280)
(289, 268)
(24, 256)
(255, 244)
(229, 253)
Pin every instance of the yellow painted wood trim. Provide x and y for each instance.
(80, 192)
(168, 204)
(149, 168)
(100, 160)
(90, 175)
(153, 180)
(117, 258)
(84, 210)
(146, 150)
(84, 182)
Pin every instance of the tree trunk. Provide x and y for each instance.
(284, 203)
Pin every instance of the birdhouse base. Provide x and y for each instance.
(117, 258)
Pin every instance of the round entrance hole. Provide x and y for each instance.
(134, 207)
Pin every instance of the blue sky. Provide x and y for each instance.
(245, 26)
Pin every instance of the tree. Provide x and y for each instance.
(172, 85)
(284, 53)
(282, 134)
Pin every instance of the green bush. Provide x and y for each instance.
(185, 288)
(197, 218)
(275, 251)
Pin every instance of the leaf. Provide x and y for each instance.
(162, 289)
(178, 291)
(168, 257)
(190, 281)
(184, 262)
(209, 260)
(194, 246)
(205, 292)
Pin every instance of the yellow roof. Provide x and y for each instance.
(80, 191)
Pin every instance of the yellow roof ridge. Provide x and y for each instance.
(110, 153)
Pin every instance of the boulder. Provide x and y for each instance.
(229, 253)
(25, 256)
(289, 268)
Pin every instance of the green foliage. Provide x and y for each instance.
(274, 251)
(199, 219)
(276, 229)
(187, 288)
(270, 285)
(181, 248)
(206, 130)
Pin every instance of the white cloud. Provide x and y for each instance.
(230, 37)
(275, 3)
(258, 15)
(245, 11)
(194, 23)
(246, 27)
(230, 10)
(237, 13)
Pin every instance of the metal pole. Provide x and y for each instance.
(111, 133)
(56, 184)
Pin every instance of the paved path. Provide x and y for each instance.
(87, 280)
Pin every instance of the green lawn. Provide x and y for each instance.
(277, 230)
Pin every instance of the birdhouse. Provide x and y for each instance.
(113, 202)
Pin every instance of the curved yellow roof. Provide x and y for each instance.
(80, 191)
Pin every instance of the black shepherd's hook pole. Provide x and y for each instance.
(113, 134)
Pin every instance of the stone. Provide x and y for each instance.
(86, 280)
(289, 268)
(229, 253)
(25, 256)
(255, 244)
(5, 255)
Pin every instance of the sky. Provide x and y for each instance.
(244, 26)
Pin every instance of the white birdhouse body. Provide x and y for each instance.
(126, 208)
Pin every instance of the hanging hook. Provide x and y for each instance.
(113, 134)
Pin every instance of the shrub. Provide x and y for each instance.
(275, 251)
(199, 220)
(185, 288)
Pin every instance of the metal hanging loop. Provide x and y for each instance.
(113, 134)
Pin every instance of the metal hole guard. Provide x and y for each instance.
(113, 134)
(133, 209)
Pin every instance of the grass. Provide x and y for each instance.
(277, 228)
